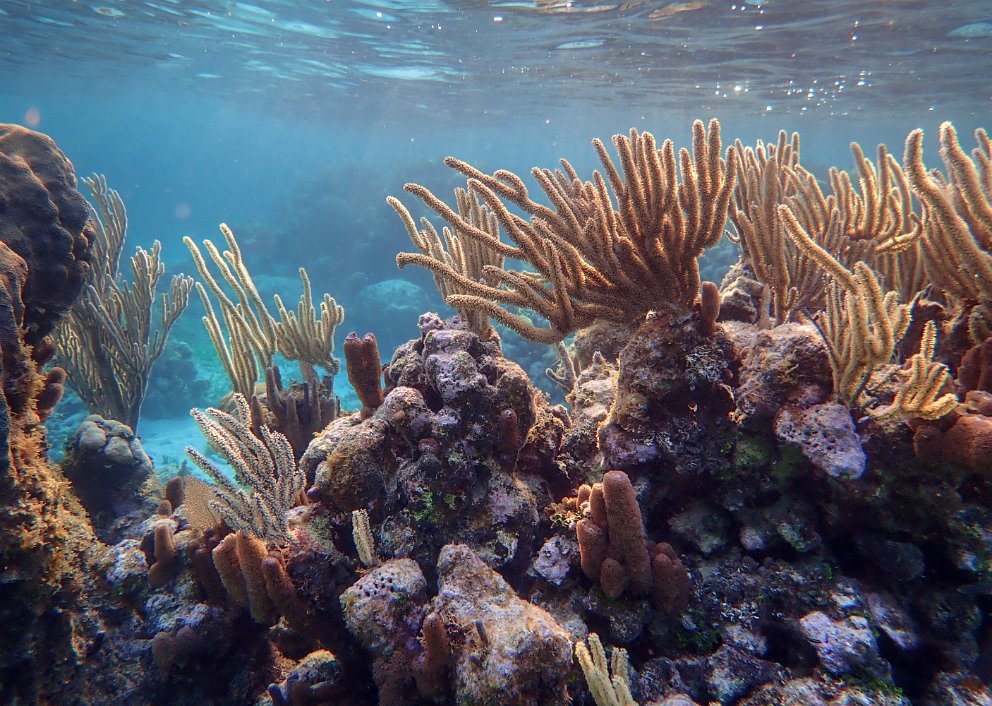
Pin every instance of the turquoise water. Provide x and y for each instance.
(219, 110)
(797, 538)
(292, 121)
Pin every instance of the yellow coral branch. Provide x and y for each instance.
(918, 397)
(605, 691)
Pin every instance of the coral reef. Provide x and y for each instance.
(767, 511)
(444, 455)
(107, 466)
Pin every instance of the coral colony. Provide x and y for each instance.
(774, 491)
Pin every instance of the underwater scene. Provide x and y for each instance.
(496, 352)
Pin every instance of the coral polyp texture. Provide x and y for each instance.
(45, 222)
(771, 492)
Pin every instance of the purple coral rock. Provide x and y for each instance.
(826, 435)
(733, 673)
(844, 646)
(317, 674)
(406, 412)
(514, 651)
(957, 689)
(703, 526)
(386, 603)
(125, 564)
(106, 464)
(894, 622)
(556, 558)
(678, 700)
(430, 322)
(450, 366)
(784, 365)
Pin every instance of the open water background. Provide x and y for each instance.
(292, 121)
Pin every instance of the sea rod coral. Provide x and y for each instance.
(610, 249)
(109, 342)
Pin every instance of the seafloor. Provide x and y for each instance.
(774, 492)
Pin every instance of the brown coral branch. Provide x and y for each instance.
(861, 324)
(926, 379)
(957, 224)
(600, 253)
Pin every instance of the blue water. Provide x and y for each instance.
(292, 121)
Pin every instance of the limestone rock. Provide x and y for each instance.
(513, 652)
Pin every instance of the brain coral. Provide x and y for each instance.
(44, 219)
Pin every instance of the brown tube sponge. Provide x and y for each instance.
(584, 492)
(671, 580)
(613, 578)
(614, 551)
(251, 553)
(429, 668)
(364, 368)
(593, 546)
(165, 554)
(228, 567)
(283, 594)
(206, 573)
(709, 308)
(51, 392)
(597, 505)
(175, 491)
(626, 528)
